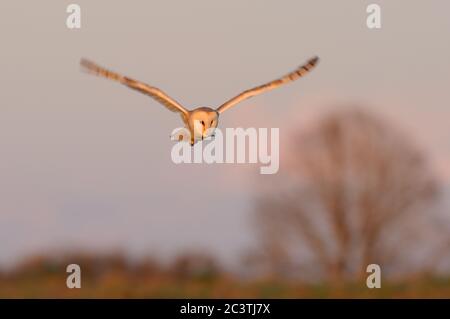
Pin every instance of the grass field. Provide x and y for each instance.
(113, 277)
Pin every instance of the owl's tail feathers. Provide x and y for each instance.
(95, 69)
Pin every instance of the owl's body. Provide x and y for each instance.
(202, 121)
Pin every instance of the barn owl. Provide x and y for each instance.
(202, 121)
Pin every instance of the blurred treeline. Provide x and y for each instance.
(353, 191)
(189, 276)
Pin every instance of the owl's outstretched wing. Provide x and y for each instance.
(298, 73)
(153, 92)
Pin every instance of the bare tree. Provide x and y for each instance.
(357, 193)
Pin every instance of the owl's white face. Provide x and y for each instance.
(204, 121)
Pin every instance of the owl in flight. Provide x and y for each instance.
(202, 120)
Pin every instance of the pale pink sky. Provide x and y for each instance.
(86, 163)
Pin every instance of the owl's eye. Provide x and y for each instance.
(211, 122)
(203, 123)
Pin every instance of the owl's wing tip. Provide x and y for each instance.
(314, 60)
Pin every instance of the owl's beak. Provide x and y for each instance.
(203, 133)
